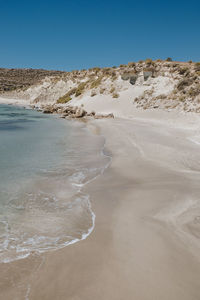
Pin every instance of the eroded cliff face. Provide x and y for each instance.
(146, 84)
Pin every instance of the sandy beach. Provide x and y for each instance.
(100, 150)
(145, 244)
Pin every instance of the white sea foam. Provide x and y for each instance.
(41, 244)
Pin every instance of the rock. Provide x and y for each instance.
(59, 111)
(91, 114)
(63, 116)
(73, 112)
(80, 113)
(109, 116)
(133, 79)
(131, 76)
(74, 109)
(147, 74)
(104, 116)
(125, 76)
(49, 110)
(98, 116)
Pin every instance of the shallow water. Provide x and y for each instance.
(44, 162)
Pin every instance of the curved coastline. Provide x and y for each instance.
(133, 244)
(22, 252)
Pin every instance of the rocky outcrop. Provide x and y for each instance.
(148, 72)
(133, 79)
(131, 76)
(49, 109)
(101, 116)
(73, 112)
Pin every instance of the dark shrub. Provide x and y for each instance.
(183, 83)
(183, 70)
(197, 66)
(115, 95)
(131, 64)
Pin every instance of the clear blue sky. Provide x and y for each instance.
(67, 35)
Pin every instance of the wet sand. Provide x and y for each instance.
(145, 244)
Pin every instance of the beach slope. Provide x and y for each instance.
(145, 244)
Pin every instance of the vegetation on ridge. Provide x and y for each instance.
(184, 78)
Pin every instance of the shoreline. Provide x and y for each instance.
(136, 250)
(13, 101)
(100, 161)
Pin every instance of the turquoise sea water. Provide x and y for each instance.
(44, 163)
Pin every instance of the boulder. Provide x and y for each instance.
(125, 76)
(147, 74)
(133, 79)
(49, 109)
(59, 110)
(109, 115)
(63, 116)
(80, 113)
(92, 114)
(101, 116)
